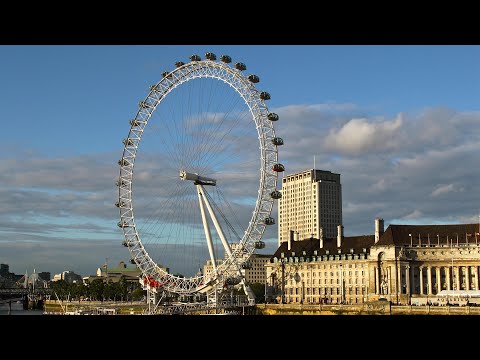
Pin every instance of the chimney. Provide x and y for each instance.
(321, 237)
(379, 229)
(290, 239)
(296, 236)
(339, 235)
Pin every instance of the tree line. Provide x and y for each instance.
(97, 290)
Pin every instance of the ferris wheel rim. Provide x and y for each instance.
(267, 179)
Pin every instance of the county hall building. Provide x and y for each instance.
(405, 264)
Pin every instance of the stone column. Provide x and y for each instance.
(407, 279)
(447, 276)
(421, 280)
(429, 280)
(439, 279)
(399, 279)
(475, 270)
(458, 277)
(412, 279)
(389, 272)
(377, 281)
(467, 280)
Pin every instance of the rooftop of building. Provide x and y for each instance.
(267, 256)
(357, 243)
(430, 234)
(315, 172)
(398, 235)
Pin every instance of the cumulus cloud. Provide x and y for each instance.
(359, 136)
(389, 177)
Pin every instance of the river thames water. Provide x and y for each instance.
(17, 309)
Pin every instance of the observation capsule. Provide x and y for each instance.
(277, 141)
(259, 244)
(264, 95)
(275, 194)
(278, 167)
(211, 56)
(226, 59)
(253, 78)
(272, 117)
(240, 66)
(269, 221)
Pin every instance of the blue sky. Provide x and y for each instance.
(399, 123)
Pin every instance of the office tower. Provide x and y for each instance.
(311, 202)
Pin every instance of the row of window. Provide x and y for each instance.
(327, 291)
(325, 281)
(331, 266)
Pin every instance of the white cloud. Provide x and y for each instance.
(359, 136)
(445, 189)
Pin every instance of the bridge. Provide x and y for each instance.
(19, 292)
(31, 289)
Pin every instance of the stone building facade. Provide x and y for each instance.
(404, 264)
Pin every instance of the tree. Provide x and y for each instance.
(97, 288)
(61, 288)
(123, 288)
(77, 290)
(139, 293)
(259, 291)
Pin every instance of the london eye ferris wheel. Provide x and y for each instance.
(198, 175)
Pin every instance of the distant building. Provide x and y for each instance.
(68, 276)
(115, 274)
(6, 274)
(406, 264)
(254, 269)
(311, 203)
(4, 270)
(45, 275)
